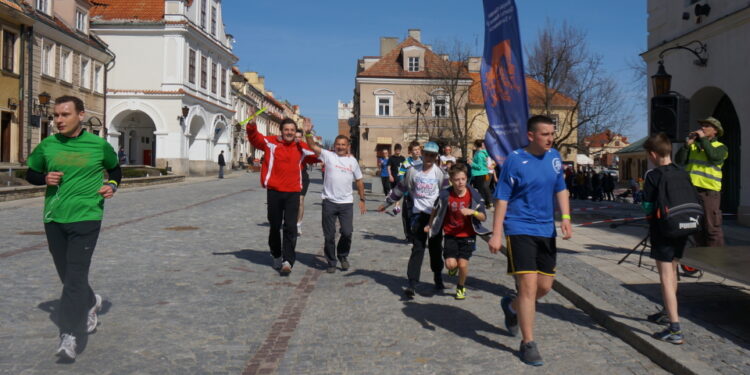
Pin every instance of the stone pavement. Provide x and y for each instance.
(188, 289)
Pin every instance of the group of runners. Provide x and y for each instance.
(442, 213)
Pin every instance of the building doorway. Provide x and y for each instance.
(5, 137)
(730, 182)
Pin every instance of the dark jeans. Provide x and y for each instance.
(712, 233)
(221, 171)
(345, 213)
(419, 243)
(282, 212)
(482, 185)
(386, 185)
(407, 204)
(72, 246)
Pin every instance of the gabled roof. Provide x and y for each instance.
(135, 10)
(391, 65)
(604, 138)
(534, 92)
(11, 4)
(636, 146)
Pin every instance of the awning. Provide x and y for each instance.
(582, 159)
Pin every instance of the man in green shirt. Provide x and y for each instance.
(72, 164)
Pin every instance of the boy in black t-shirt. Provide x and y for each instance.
(665, 251)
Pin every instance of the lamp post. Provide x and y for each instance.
(661, 81)
(418, 108)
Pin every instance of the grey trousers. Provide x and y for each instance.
(344, 212)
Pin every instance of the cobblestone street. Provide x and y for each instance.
(186, 277)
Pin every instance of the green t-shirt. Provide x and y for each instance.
(82, 160)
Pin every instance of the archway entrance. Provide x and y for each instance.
(730, 184)
(137, 137)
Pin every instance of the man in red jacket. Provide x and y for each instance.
(281, 175)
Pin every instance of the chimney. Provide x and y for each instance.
(387, 43)
(416, 34)
(475, 64)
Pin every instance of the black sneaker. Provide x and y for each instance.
(671, 337)
(410, 290)
(530, 354)
(660, 317)
(331, 269)
(439, 282)
(344, 264)
(511, 319)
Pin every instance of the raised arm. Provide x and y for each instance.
(254, 136)
(308, 127)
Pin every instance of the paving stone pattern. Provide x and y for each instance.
(188, 289)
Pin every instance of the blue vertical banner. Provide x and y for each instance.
(503, 80)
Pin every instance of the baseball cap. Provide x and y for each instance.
(431, 147)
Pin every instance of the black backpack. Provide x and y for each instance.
(679, 212)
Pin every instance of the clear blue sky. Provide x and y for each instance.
(308, 50)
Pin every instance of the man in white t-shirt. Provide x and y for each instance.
(342, 170)
(447, 159)
(423, 182)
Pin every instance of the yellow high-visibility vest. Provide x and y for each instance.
(703, 174)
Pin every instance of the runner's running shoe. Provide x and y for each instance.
(511, 319)
(660, 317)
(286, 268)
(460, 292)
(92, 320)
(530, 354)
(670, 337)
(67, 348)
(396, 210)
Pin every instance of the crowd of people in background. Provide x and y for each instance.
(585, 183)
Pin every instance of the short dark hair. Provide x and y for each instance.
(659, 143)
(413, 144)
(397, 147)
(534, 122)
(342, 137)
(458, 168)
(77, 102)
(285, 121)
(478, 143)
(300, 131)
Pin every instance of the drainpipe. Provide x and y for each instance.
(107, 68)
(26, 37)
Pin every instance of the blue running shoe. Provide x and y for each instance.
(511, 319)
(670, 337)
(530, 354)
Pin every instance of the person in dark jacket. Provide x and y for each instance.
(222, 164)
(458, 215)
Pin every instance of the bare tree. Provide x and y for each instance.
(449, 95)
(561, 61)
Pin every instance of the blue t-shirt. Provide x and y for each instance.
(529, 183)
(383, 167)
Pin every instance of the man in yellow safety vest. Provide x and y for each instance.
(703, 156)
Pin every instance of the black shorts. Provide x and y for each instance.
(459, 247)
(666, 249)
(531, 254)
(305, 183)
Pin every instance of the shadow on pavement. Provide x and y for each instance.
(456, 320)
(571, 315)
(52, 306)
(718, 308)
(394, 283)
(383, 238)
(263, 258)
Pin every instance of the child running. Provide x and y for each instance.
(458, 214)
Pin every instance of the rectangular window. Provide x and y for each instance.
(204, 72)
(203, 14)
(213, 20)
(439, 108)
(48, 59)
(98, 78)
(66, 66)
(384, 106)
(224, 83)
(9, 51)
(80, 20)
(41, 5)
(191, 66)
(85, 73)
(213, 78)
(414, 64)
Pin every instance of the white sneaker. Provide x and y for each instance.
(67, 348)
(277, 263)
(92, 321)
(286, 268)
(299, 229)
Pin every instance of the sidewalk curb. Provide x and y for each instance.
(632, 332)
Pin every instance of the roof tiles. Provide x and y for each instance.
(391, 65)
(142, 10)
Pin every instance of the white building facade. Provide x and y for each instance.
(169, 96)
(720, 88)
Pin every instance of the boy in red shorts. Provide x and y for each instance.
(458, 213)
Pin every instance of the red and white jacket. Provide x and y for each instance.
(282, 165)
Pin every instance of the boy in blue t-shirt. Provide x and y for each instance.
(383, 166)
(530, 180)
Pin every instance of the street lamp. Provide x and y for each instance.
(418, 108)
(43, 105)
(661, 81)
